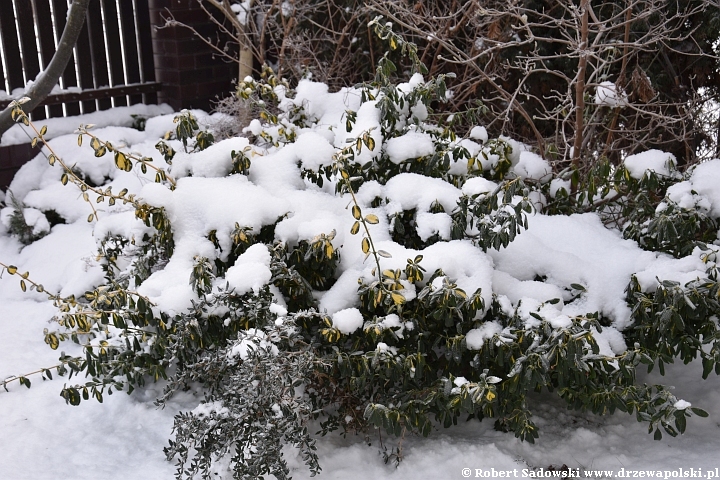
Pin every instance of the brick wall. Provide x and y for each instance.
(191, 76)
(12, 157)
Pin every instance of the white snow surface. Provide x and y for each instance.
(700, 190)
(656, 161)
(118, 116)
(123, 438)
(410, 145)
(347, 320)
(607, 94)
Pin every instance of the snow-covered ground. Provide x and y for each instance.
(43, 438)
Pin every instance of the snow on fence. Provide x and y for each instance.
(112, 64)
(120, 59)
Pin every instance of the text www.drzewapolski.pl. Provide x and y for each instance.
(706, 474)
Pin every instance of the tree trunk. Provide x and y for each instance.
(47, 79)
(246, 55)
(580, 85)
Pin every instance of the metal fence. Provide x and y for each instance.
(112, 64)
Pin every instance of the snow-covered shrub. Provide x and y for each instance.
(26, 224)
(362, 265)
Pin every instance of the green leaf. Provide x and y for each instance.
(699, 412)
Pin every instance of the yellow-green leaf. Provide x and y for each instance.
(52, 340)
(329, 250)
(23, 286)
(357, 214)
(370, 142)
(365, 245)
(95, 143)
(12, 269)
(355, 228)
(90, 217)
(82, 323)
(80, 140)
(122, 162)
(372, 219)
(43, 130)
(34, 141)
(489, 396)
(100, 152)
(397, 298)
(51, 159)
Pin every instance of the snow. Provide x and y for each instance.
(578, 249)
(251, 270)
(409, 191)
(657, 161)
(479, 133)
(241, 11)
(556, 184)
(215, 161)
(700, 190)
(476, 337)
(533, 166)
(410, 145)
(534, 275)
(606, 94)
(118, 116)
(347, 320)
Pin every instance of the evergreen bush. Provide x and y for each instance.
(424, 338)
